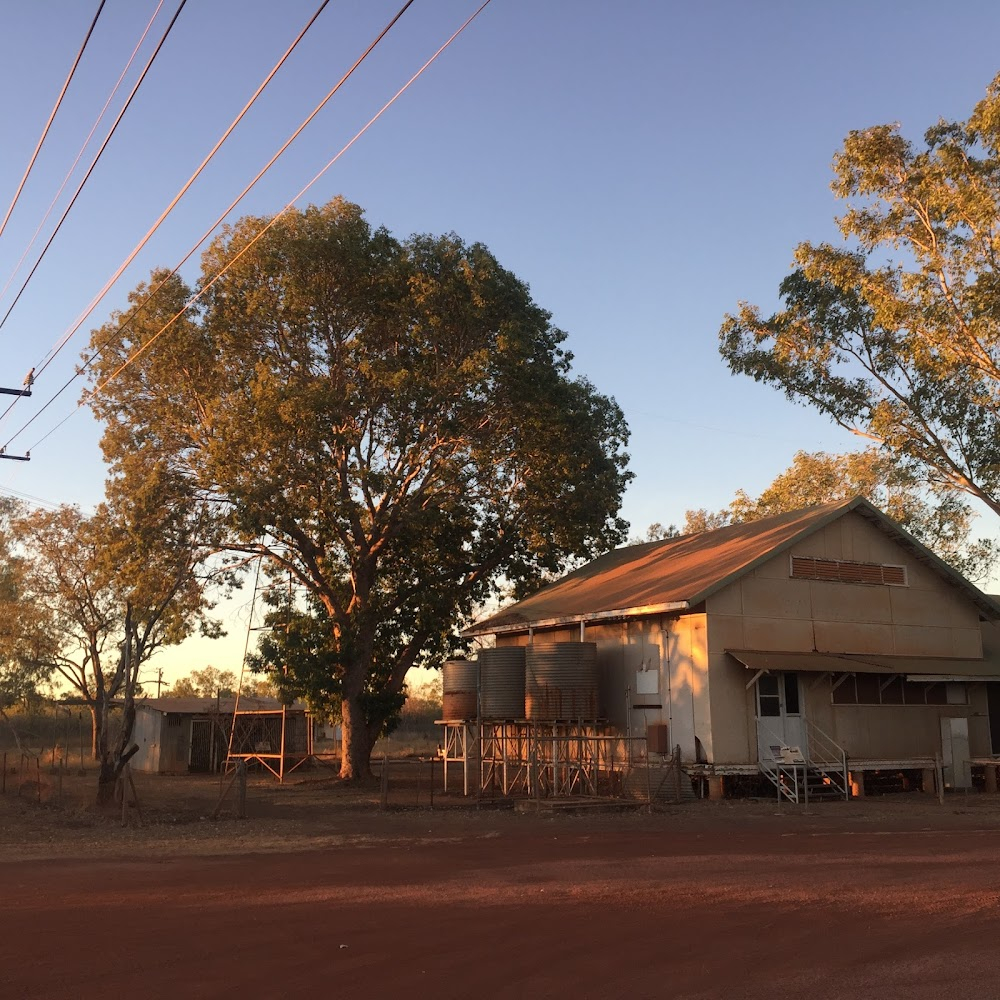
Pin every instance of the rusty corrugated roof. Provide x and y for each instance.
(677, 573)
(209, 706)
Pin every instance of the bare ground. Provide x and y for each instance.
(320, 892)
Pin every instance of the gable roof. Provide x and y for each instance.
(675, 574)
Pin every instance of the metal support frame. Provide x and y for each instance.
(536, 759)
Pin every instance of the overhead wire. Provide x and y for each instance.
(52, 116)
(94, 162)
(194, 298)
(58, 346)
(176, 199)
(211, 229)
(83, 147)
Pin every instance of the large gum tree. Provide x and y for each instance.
(895, 334)
(392, 423)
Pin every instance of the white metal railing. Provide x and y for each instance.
(829, 758)
(790, 769)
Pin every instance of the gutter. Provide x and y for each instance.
(619, 614)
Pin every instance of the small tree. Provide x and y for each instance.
(111, 589)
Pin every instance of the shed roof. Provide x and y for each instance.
(675, 574)
(209, 706)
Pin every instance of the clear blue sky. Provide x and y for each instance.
(643, 165)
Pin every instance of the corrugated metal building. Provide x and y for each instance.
(825, 625)
(178, 735)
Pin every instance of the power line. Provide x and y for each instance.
(79, 322)
(90, 170)
(180, 194)
(79, 155)
(58, 346)
(194, 298)
(48, 124)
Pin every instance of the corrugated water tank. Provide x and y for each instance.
(459, 683)
(560, 681)
(501, 679)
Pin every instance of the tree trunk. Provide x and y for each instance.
(106, 782)
(355, 760)
(95, 731)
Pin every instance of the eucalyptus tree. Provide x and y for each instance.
(393, 423)
(111, 589)
(22, 625)
(896, 334)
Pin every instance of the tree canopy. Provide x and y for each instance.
(105, 591)
(392, 422)
(896, 335)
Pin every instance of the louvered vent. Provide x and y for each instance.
(842, 571)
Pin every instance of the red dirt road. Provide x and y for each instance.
(528, 908)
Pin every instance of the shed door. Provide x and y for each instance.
(201, 745)
(779, 714)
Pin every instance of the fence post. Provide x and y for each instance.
(241, 790)
(385, 781)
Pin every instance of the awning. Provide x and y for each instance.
(915, 667)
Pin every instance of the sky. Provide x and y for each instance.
(644, 165)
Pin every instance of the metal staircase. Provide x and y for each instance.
(817, 773)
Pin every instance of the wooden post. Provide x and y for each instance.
(38, 779)
(241, 790)
(3, 785)
(385, 782)
(432, 784)
(939, 777)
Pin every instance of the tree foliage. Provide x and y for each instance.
(106, 591)
(394, 423)
(942, 519)
(22, 627)
(896, 336)
(209, 682)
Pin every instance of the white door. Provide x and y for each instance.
(955, 753)
(779, 715)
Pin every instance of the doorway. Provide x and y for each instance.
(779, 714)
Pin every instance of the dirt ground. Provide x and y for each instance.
(320, 892)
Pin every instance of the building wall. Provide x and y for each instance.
(164, 741)
(651, 670)
(768, 610)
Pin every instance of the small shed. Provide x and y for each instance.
(181, 735)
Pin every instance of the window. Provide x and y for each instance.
(885, 689)
(845, 571)
(767, 693)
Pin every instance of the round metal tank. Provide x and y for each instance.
(460, 680)
(561, 681)
(501, 673)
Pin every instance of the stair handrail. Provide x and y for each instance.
(817, 737)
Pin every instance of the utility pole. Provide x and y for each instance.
(29, 380)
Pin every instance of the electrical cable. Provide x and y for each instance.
(48, 124)
(180, 194)
(90, 170)
(194, 298)
(79, 155)
(50, 357)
